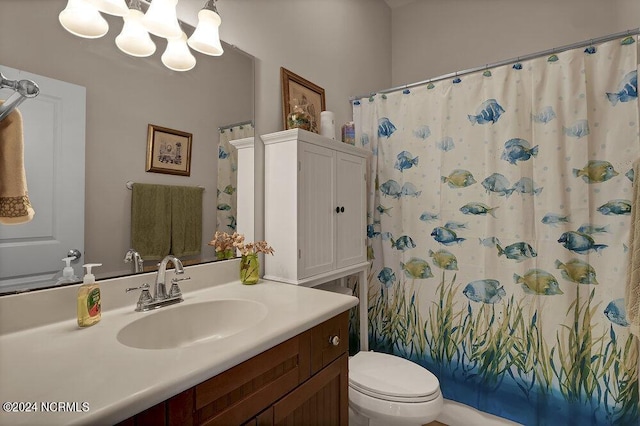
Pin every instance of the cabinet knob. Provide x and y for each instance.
(334, 340)
(342, 209)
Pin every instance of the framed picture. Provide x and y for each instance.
(168, 151)
(297, 91)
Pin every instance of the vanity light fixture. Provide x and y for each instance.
(83, 19)
(206, 38)
(134, 39)
(177, 56)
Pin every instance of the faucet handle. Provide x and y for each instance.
(145, 296)
(175, 291)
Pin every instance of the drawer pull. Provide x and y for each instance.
(334, 340)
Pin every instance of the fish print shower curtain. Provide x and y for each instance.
(228, 176)
(498, 226)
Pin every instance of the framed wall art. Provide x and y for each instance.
(168, 151)
(302, 102)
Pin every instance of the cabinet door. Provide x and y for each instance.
(317, 216)
(322, 400)
(351, 223)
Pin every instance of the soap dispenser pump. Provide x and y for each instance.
(89, 308)
(68, 274)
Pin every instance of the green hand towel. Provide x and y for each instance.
(186, 220)
(151, 220)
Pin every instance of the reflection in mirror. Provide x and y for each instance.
(122, 95)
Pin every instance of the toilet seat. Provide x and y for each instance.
(391, 378)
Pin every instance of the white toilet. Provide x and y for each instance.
(389, 390)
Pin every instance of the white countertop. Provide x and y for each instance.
(62, 363)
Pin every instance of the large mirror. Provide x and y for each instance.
(123, 96)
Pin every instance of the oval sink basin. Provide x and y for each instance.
(186, 325)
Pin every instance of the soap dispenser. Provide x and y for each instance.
(89, 309)
(68, 274)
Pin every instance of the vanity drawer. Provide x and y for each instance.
(329, 340)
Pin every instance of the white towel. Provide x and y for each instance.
(632, 291)
(15, 207)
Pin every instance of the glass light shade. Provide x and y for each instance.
(134, 39)
(206, 39)
(112, 7)
(83, 20)
(177, 56)
(161, 19)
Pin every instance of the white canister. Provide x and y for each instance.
(327, 124)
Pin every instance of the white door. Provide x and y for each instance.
(351, 221)
(54, 138)
(317, 216)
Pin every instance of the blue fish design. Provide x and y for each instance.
(627, 89)
(385, 127)
(517, 251)
(410, 190)
(356, 103)
(403, 243)
(222, 153)
(617, 313)
(430, 86)
(630, 174)
(589, 229)
(487, 73)
(478, 209)
(616, 207)
(391, 188)
(422, 132)
(383, 210)
(489, 242)
(371, 232)
(364, 139)
(387, 277)
(579, 129)
(232, 222)
(445, 144)
(580, 243)
(456, 80)
(518, 150)
(517, 66)
(628, 40)
(590, 50)
(489, 112)
(446, 236)
(224, 207)
(428, 217)
(526, 186)
(546, 115)
(405, 161)
(406, 91)
(455, 225)
(553, 58)
(553, 219)
(499, 184)
(485, 291)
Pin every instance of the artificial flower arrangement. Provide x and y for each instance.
(249, 264)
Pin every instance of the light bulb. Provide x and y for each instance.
(134, 39)
(206, 39)
(161, 19)
(177, 56)
(83, 20)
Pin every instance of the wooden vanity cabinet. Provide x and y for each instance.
(302, 381)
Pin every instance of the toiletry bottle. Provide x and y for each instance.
(89, 309)
(68, 274)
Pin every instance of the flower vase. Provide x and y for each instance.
(225, 254)
(249, 269)
(299, 117)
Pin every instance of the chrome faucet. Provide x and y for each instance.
(134, 256)
(160, 297)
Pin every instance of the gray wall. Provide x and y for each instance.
(436, 37)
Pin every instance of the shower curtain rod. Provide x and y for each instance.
(589, 42)
(242, 123)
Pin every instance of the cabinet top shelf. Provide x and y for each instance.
(313, 138)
